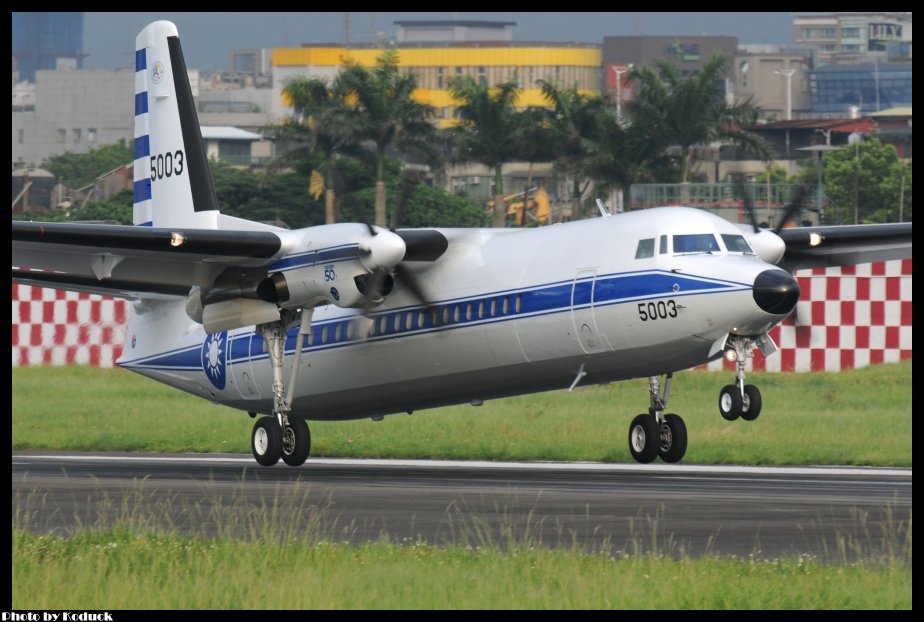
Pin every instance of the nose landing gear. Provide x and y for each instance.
(740, 399)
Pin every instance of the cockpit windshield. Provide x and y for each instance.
(696, 243)
(736, 243)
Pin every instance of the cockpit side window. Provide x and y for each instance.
(696, 243)
(736, 243)
(645, 249)
(662, 245)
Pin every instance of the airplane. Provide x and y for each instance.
(349, 320)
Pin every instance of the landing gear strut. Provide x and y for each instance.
(282, 435)
(656, 434)
(740, 399)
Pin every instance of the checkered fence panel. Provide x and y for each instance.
(847, 317)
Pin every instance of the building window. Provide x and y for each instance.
(77, 134)
(62, 136)
(440, 75)
(458, 72)
(91, 135)
(20, 134)
(482, 75)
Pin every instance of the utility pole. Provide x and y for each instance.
(787, 73)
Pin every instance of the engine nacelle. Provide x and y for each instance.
(315, 285)
(769, 246)
(237, 313)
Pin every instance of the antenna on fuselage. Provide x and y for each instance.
(603, 210)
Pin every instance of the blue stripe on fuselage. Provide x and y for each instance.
(141, 60)
(501, 306)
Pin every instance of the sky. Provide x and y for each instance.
(208, 38)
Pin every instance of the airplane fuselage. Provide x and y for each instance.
(512, 311)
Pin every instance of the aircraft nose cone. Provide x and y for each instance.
(776, 291)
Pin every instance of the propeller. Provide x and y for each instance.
(791, 209)
(748, 204)
(420, 245)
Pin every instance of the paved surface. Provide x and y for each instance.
(768, 511)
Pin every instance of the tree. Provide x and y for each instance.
(670, 109)
(77, 170)
(382, 111)
(422, 205)
(316, 132)
(865, 182)
(585, 138)
(489, 130)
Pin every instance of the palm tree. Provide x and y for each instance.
(318, 108)
(382, 112)
(488, 131)
(586, 137)
(670, 109)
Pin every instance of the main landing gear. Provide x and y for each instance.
(739, 399)
(282, 435)
(656, 434)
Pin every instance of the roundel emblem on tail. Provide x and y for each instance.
(214, 355)
(157, 72)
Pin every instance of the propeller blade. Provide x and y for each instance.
(407, 279)
(748, 204)
(791, 209)
(372, 230)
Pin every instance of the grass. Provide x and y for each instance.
(124, 570)
(134, 556)
(860, 417)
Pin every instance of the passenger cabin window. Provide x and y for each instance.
(696, 243)
(736, 243)
(645, 249)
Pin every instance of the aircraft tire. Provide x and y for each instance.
(753, 401)
(730, 402)
(296, 442)
(644, 438)
(673, 439)
(266, 441)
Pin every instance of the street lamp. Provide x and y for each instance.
(619, 71)
(820, 191)
(787, 73)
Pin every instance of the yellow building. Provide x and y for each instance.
(434, 64)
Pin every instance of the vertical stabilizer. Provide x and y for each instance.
(173, 184)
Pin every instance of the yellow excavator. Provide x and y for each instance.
(528, 208)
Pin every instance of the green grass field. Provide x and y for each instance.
(860, 417)
(126, 569)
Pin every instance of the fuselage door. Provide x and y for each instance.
(582, 313)
(244, 347)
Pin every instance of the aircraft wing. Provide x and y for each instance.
(820, 247)
(131, 262)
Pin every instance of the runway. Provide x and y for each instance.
(765, 511)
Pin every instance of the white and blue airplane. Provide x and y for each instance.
(348, 321)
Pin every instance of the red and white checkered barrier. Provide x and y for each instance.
(52, 327)
(847, 317)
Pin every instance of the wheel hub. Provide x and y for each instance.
(667, 438)
(638, 438)
(288, 441)
(260, 441)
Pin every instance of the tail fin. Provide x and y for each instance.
(173, 184)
